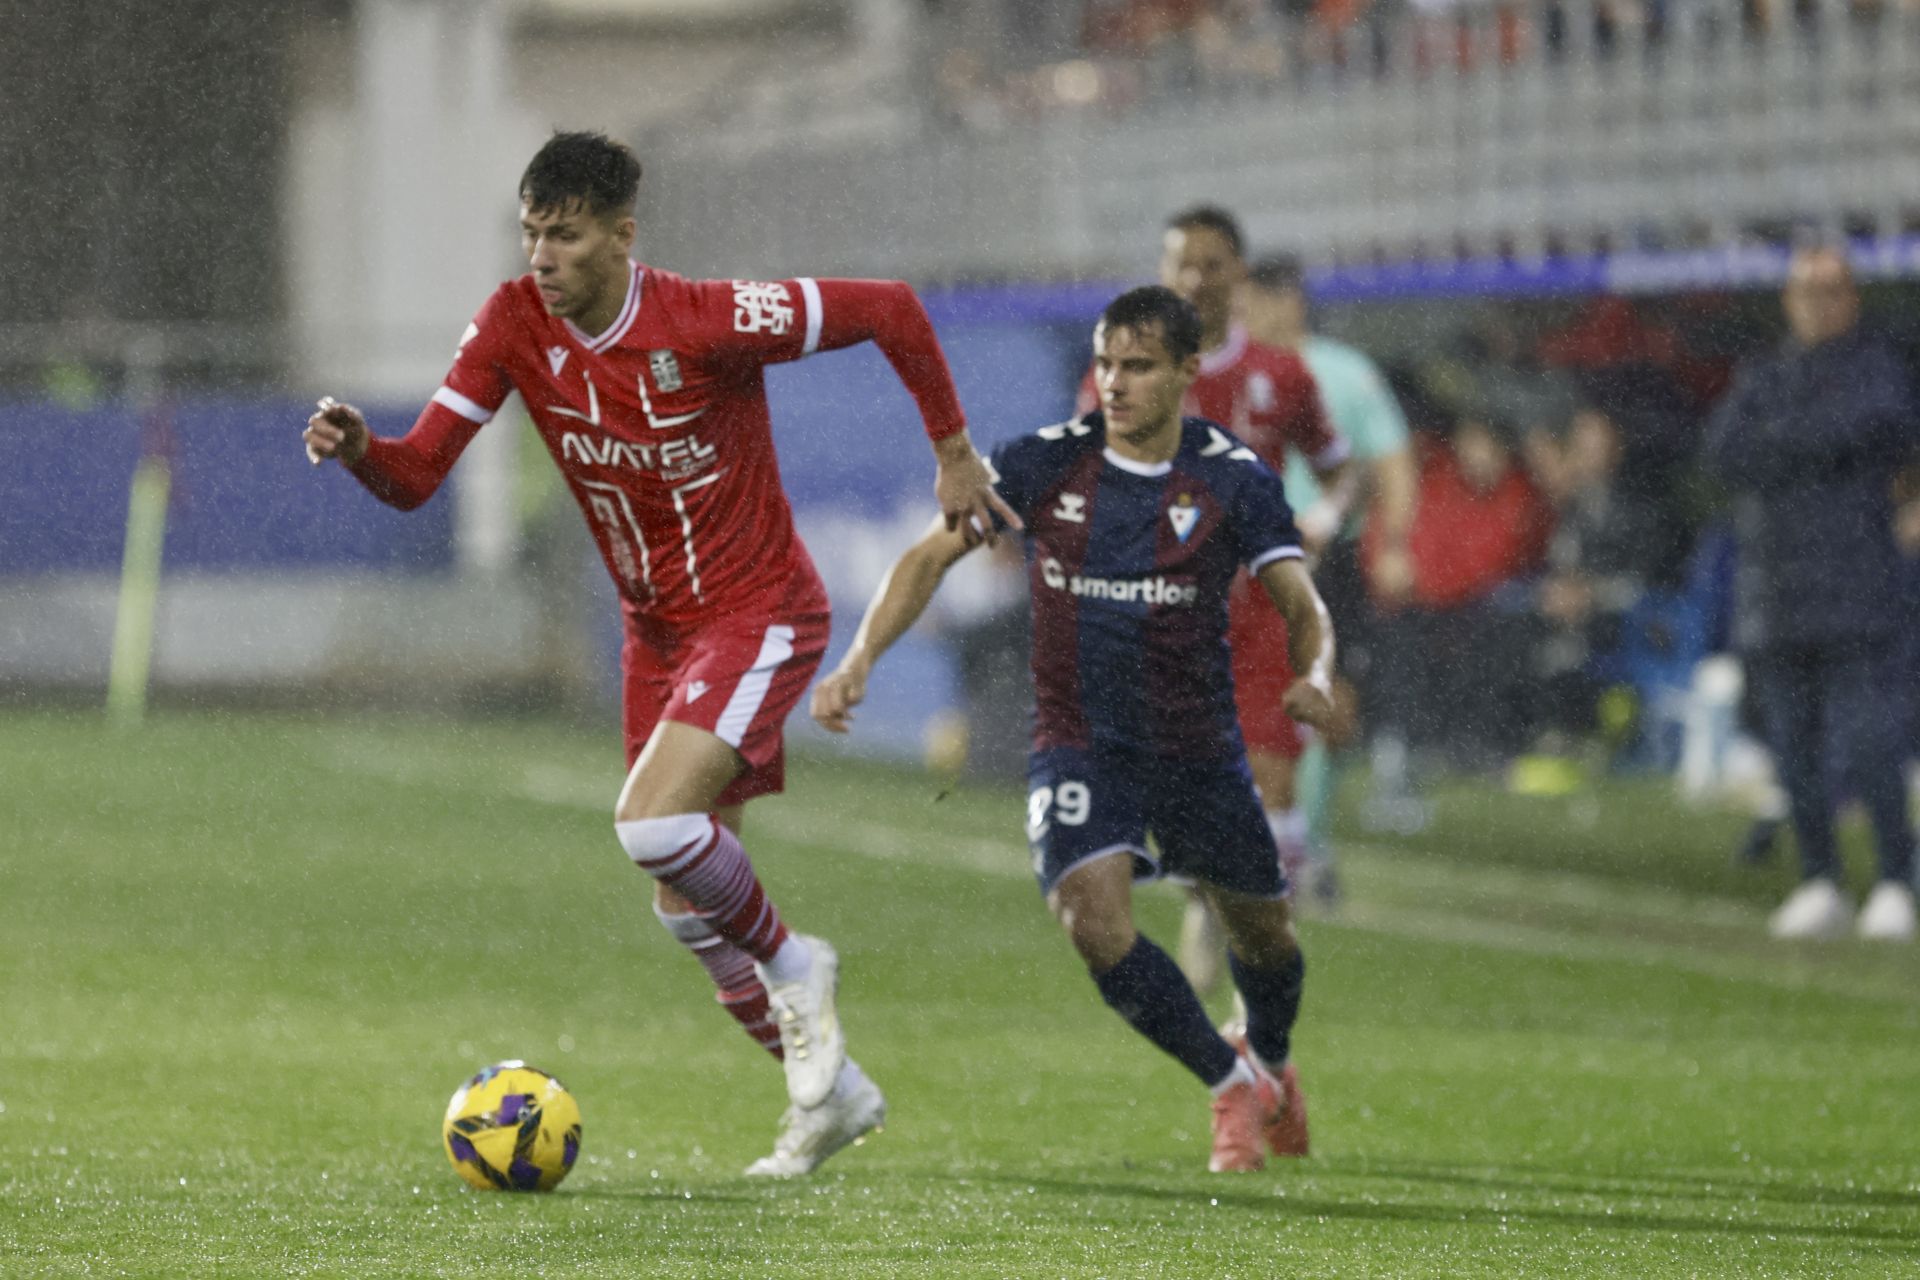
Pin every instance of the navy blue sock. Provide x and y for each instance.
(1273, 1002)
(1149, 991)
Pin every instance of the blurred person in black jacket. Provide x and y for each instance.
(1808, 444)
(1610, 539)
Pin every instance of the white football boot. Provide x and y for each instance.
(810, 1041)
(1817, 909)
(1889, 914)
(808, 1136)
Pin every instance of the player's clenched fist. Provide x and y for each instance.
(335, 431)
(1310, 704)
(835, 698)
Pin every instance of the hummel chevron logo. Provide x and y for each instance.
(1219, 442)
(1060, 430)
(556, 359)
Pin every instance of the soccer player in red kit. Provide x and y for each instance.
(648, 391)
(1264, 395)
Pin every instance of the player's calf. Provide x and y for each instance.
(702, 861)
(736, 984)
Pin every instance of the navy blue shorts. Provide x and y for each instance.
(1205, 819)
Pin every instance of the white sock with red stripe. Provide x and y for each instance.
(702, 861)
(737, 984)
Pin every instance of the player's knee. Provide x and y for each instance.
(1101, 940)
(1260, 932)
(662, 846)
(1265, 946)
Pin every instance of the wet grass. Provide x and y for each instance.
(245, 959)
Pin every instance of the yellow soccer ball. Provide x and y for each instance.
(512, 1128)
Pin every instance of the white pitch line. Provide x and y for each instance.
(1458, 904)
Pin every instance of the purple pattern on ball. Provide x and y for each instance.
(572, 1150)
(511, 1106)
(524, 1175)
(461, 1148)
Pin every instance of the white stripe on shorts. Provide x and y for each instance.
(775, 649)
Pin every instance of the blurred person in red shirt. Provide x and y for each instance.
(1452, 649)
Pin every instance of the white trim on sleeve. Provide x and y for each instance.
(466, 408)
(1266, 558)
(810, 291)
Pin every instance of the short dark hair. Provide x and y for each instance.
(589, 168)
(1152, 307)
(1279, 273)
(1212, 217)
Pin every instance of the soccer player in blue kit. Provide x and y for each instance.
(1137, 522)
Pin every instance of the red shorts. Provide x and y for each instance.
(1262, 670)
(737, 677)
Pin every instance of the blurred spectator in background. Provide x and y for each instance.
(1808, 443)
(1277, 311)
(1451, 672)
(1241, 44)
(1608, 535)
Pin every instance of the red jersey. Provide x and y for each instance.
(1265, 395)
(660, 424)
(1466, 542)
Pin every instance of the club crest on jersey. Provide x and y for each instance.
(1183, 515)
(666, 370)
(556, 359)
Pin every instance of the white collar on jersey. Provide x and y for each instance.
(1137, 468)
(621, 323)
(1223, 356)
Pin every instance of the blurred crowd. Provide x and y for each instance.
(1008, 59)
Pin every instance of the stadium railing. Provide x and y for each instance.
(1697, 132)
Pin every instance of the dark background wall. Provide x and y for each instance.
(139, 159)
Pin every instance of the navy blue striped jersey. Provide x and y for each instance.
(1129, 566)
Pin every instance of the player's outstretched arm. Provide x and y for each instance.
(1309, 699)
(889, 314)
(902, 597)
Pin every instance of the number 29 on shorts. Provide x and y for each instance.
(1069, 804)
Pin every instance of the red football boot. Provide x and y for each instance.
(1241, 1113)
(1286, 1129)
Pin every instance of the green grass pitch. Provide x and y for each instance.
(244, 961)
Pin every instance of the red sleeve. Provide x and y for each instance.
(769, 322)
(406, 472)
(1312, 427)
(1088, 398)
